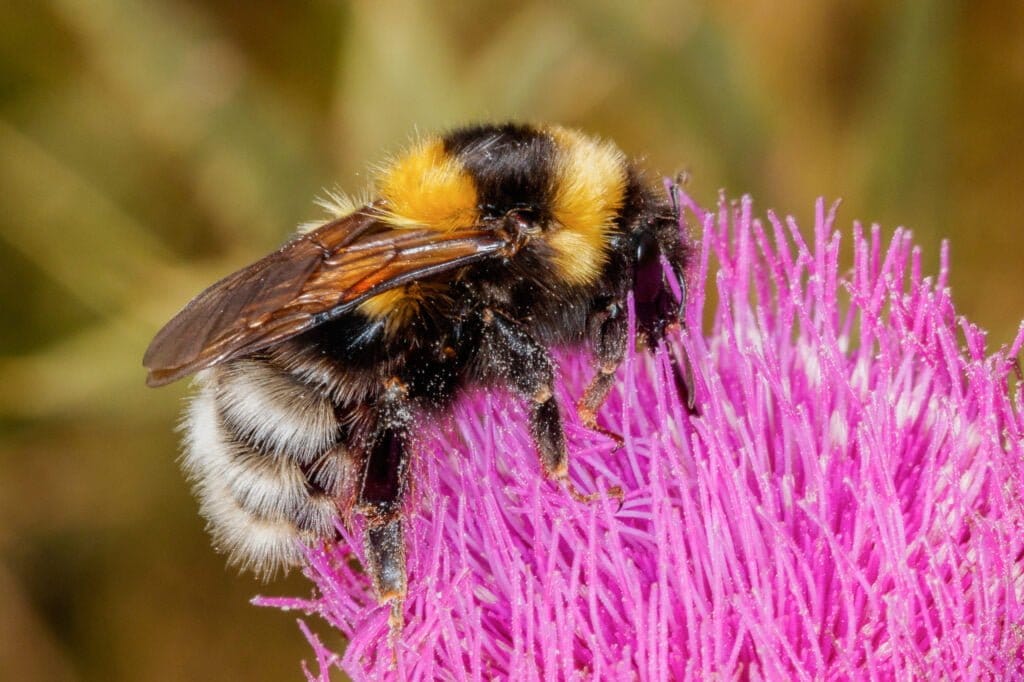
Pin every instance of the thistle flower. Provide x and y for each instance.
(848, 503)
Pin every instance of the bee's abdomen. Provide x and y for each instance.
(263, 451)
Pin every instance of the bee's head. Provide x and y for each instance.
(656, 241)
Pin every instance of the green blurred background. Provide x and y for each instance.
(146, 148)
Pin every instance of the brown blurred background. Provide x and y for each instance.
(146, 148)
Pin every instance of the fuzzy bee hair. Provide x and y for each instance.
(478, 251)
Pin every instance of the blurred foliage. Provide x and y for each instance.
(146, 148)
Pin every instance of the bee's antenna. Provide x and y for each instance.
(675, 187)
(673, 193)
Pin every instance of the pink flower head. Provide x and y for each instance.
(847, 504)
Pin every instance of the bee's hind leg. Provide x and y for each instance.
(382, 488)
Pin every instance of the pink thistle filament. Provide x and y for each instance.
(847, 504)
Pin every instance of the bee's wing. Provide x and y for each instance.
(310, 280)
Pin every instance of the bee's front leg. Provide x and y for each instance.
(608, 329)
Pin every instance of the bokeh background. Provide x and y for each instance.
(147, 148)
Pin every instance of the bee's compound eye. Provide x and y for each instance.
(651, 295)
(646, 249)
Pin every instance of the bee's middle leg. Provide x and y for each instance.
(515, 356)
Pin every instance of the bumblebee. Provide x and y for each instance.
(480, 250)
